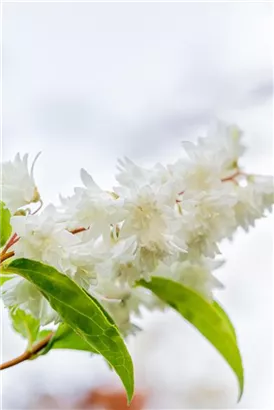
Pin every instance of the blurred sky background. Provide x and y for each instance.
(86, 83)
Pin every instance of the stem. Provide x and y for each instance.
(28, 353)
(78, 230)
(9, 243)
(6, 256)
(39, 207)
(231, 177)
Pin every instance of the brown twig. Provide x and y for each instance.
(232, 177)
(28, 353)
(5, 256)
(78, 230)
(39, 207)
(13, 239)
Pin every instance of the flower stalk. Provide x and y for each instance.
(28, 354)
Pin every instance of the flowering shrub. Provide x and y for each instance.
(73, 275)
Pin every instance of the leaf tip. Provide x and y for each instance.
(241, 386)
(130, 394)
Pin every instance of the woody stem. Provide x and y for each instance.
(28, 354)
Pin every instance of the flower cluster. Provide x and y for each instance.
(163, 221)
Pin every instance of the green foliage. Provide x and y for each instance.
(5, 226)
(43, 334)
(4, 278)
(82, 313)
(208, 318)
(226, 320)
(66, 338)
(25, 324)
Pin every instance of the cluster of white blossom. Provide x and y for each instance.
(164, 221)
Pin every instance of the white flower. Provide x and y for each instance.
(224, 144)
(123, 303)
(246, 210)
(119, 265)
(43, 239)
(133, 178)
(145, 219)
(264, 191)
(113, 296)
(199, 173)
(253, 199)
(19, 292)
(92, 208)
(149, 219)
(17, 183)
(84, 258)
(207, 218)
(131, 175)
(195, 275)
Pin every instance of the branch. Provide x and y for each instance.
(13, 239)
(39, 207)
(78, 230)
(27, 354)
(5, 256)
(232, 177)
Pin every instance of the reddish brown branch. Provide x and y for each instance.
(39, 207)
(13, 239)
(5, 256)
(78, 230)
(27, 354)
(232, 177)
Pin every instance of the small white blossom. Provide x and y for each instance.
(19, 292)
(224, 144)
(207, 218)
(83, 260)
(253, 200)
(93, 208)
(264, 191)
(17, 183)
(42, 238)
(131, 175)
(199, 279)
(149, 218)
(196, 275)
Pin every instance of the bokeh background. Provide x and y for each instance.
(86, 83)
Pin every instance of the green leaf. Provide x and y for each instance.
(6, 228)
(42, 334)
(4, 278)
(66, 338)
(25, 324)
(226, 320)
(82, 313)
(208, 318)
